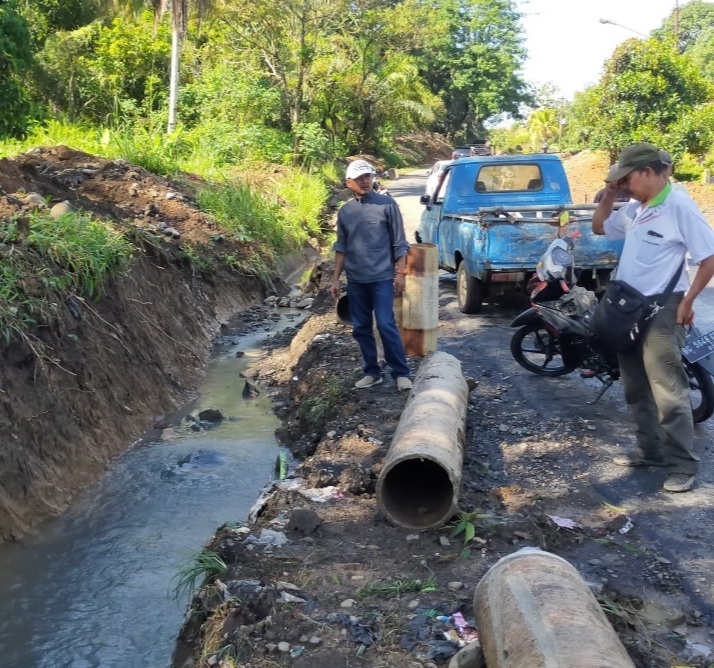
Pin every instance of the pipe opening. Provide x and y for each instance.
(342, 309)
(418, 494)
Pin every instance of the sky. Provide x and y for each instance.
(568, 46)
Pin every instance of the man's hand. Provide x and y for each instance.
(335, 289)
(685, 312)
(400, 280)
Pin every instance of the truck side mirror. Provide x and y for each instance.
(425, 199)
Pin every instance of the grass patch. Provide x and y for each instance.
(305, 196)
(83, 250)
(313, 411)
(396, 587)
(245, 214)
(198, 569)
(42, 259)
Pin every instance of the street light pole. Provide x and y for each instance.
(625, 27)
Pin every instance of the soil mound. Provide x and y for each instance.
(78, 390)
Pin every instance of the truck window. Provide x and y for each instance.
(441, 189)
(504, 178)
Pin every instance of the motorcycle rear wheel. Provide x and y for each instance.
(538, 351)
(701, 391)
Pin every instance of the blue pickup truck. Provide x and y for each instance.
(492, 217)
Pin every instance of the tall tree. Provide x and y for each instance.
(288, 38)
(645, 92)
(179, 23)
(693, 21)
(472, 57)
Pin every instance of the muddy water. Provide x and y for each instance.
(92, 588)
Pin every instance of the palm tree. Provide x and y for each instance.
(179, 20)
(543, 126)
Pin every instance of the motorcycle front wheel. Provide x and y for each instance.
(538, 351)
(701, 391)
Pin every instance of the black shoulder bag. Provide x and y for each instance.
(624, 313)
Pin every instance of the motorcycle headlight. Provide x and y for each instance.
(561, 257)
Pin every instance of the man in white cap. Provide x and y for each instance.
(659, 228)
(370, 242)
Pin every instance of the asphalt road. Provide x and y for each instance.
(682, 525)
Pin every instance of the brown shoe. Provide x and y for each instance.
(679, 482)
(636, 460)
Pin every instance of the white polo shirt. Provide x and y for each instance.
(657, 238)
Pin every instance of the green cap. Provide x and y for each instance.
(633, 156)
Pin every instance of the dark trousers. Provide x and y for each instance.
(657, 392)
(366, 299)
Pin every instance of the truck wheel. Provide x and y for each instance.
(469, 291)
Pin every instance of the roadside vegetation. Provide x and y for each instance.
(268, 101)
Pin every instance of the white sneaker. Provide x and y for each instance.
(368, 381)
(404, 384)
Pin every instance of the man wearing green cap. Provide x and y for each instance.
(659, 229)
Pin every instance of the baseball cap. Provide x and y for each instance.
(665, 158)
(357, 168)
(633, 156)
(611, 173)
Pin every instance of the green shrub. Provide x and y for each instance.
(688, 168)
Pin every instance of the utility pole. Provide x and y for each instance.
(676, 23)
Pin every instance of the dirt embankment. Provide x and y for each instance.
(78, 391)
(587, 169)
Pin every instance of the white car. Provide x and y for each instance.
(435, 174)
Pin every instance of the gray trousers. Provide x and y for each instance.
(657, 392)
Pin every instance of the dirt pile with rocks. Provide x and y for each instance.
(77, 391)
(587, 169)
(316, 577)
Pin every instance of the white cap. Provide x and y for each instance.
(357, 168)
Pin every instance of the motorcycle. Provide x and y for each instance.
(554, 339)
(379, 187)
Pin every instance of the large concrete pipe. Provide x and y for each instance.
(533, 610)
(418, 487)
(420, 301)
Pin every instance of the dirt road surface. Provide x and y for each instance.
(682, 525)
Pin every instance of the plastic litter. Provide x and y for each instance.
(291, 598)
(627, 526)
(269, 537)
(439, 650)
(564, 522)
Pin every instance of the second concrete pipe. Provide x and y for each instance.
(418, 487)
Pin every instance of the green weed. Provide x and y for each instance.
(305, 196)
(313, 411)
(396, 587)
(467, 524)
(198, 568)
(155, 151)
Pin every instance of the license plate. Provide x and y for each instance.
(698, 345)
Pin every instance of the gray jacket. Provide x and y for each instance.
(370, 233)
